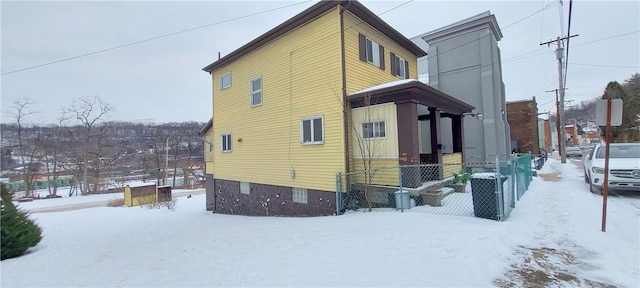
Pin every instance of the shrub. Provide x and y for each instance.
(18, 232)
(170, 204)
(461, 177)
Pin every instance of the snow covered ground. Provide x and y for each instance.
(552, 239)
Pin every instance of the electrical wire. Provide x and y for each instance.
(566, 66)
(152, 38)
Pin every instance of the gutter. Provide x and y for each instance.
(345, 103)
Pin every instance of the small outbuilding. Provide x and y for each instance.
(141, 195)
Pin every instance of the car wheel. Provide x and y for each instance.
(594, 189)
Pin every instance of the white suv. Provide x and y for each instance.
(624, 167)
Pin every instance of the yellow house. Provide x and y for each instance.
(291, 107)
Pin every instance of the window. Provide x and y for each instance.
(226, 142)
(245, 188)
(225, 80)
(312, 130)
(373, 130)
(210, 147)
(371, 52)
(256, 91)
(399, 67)
(299, 195)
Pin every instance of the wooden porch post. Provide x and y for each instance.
(458, 134)
(408, 150)
(436, 137)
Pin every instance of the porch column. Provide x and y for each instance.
(408, 149)
(458, 134)
(436, 138)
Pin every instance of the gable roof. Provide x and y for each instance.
(206, 127)
(309, 14)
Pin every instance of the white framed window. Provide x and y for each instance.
(226, 142)
(299, 195)
(225, 80)
(399, 67)
(372, 130)
(256, 91)
(373, 52)
(312, 130)
(245, 187)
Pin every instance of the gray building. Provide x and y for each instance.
(464, 61)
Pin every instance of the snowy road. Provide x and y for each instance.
(101, 203)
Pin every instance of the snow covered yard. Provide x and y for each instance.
(552, 238)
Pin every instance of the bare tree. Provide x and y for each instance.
(89, 113)
(364, 132)
(26, 144)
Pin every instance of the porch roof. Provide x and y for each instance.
(409, 90)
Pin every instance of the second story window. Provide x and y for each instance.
(399, 67)
(371, 51)
(225, 80)
(256, 91)
(226, 142)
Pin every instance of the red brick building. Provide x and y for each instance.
(523, 119)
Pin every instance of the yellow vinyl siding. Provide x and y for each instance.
(301, 77)
(362, 74)
(209, 140)
(452, 164)
(384, 171)
(386, 147)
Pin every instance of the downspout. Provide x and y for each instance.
(345, 103)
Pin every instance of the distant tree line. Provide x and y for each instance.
(86, 145)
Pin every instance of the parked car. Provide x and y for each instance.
(624, 167)
(574, 151)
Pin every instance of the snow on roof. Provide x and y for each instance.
(384, 85)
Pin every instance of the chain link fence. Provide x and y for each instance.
(482, 189)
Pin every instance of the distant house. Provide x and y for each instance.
(291, 106)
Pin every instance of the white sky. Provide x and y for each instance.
(559, 220)
(162, 79)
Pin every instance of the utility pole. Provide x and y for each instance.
(557, 119)
(560, 55)
(166, 162)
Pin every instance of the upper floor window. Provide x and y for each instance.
(312, 130)
(373, 130)
(226, 143)
(399, 67)
(371, 52)
(256, 91)
(225, 80)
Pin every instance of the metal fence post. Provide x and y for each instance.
(400, 177)
(499, 205)
(338, 192)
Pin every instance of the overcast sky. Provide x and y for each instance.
(162, 80)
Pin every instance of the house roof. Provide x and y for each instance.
(206, 127)
(309, 14)
(413, 90)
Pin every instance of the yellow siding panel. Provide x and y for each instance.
(361, 74)
(301, 76)
(452, 164)
(209, 149)
(386, 147)
(383, 172)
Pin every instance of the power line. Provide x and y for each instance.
(604, 39)
(608, 66)
(153, 38)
